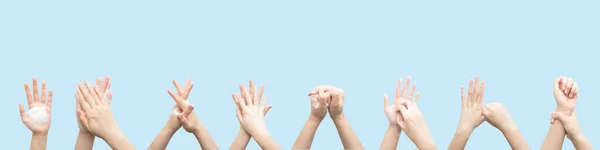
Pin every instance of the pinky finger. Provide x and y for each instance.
(49, 103)
(417, 97)
(238, 114)
(83, 119)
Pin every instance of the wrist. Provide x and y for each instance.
(315, 119)
(394, 127)
(85, 133)
(39, 136)
(338, 118)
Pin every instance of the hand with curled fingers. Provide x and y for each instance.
(183, 110)
(566, 92)
(39, 115)
(391, 111)
(333, 98)
(471, 115)
(319, 103)
(251, 111)
(104, 86)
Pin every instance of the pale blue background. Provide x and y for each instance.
(517, 47)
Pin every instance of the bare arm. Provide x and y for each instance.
(241, 141)
(347, 135)
(390, 140)
(555, 138)
(515, 139)
(164, 136)
(459, 141)
(305, 139)
(580, 142)
(265, 141)
(85, 141)
(118, 141)
(204, 138)
(38, 141)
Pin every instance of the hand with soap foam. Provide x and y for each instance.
(104, 86)
(242, 139)
(252, 116)
(97, 117)
(392, 135)
(183, 110)
(39, 115)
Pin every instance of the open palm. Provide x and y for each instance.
(35, 102)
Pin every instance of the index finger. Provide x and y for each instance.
(28, 94)
(178, 100)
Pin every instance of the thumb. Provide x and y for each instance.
(485, 111)
(557, 84)
(268, 108)
(560, 116)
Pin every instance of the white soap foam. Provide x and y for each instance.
(38, 115)
(176, 111)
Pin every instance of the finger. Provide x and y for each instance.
(82, 118)
(238, 114)
(82, 100)
(36, 97)
(182, 119)
(400, 122)
(402, 108)
(264, 103)
(404, 96)
(44, 92)
(178, 88)
(260, 92)
(563, 82)
(188, 110)
(98, 82)
(106, 83)
(574, 88)
(559, 116)
(93, 93)
(412, 90)
(385, 101)
(557, 84)
(49, 104)
(88, 97)
(314, 91)
(576, 91)
(22, 112)
(475, 90)
(417, 97)
(462, 96)
(267, 109)
(322, 97)
(242, 103)
(470, 96)
(189, 90)
(236, 101)
(569, 86)
(245, 95)
(398, 90)
(481, 91)
(180, 102)
(28, 94)
(252, 97)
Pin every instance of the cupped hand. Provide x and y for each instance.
(104, 86)
(95, 114)
(471, 115)
(391, 111)
(570, 123)
(565, 93)
(40, 112)
(319, 102)
(498, 116)
(251, 111)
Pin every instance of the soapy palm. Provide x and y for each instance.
(39, 117)
(104, 86)
(183, 110)
(95, 115)
(472, 112)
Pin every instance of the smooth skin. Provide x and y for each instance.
(39, 132)
(336, 113)
(242, 139)
(574, 133)
(318, 111)
(411, 121)
(565, 94)
(392, 135)
(471, 115)
(97, 117)
(251, 115)
(85, 139)
(498, 116)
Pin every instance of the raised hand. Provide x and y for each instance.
(413, 123)
(471, 115)
(104, 86)
(39, 114)
(251, 114)
(183, 110)
(319, 104)
(336, 106)
(565, 93)
(391, 111)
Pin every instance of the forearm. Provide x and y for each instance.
(241, 141)
(38, 141)
(305, 139)
(85, 141)
(390, 140)
(265, 141)
(459, 141)
(162, 139)
(424, 141)
(555, 138)
(118, 141)
(515, 139)
(581, 143)
(347, 135)
(204, 138)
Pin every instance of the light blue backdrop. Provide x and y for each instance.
(517, 47)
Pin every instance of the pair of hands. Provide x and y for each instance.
(566, 92)
(473, 113)
(93, 109)
(40, 109)
(250, 111)
(324, 99)
(183, 115)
